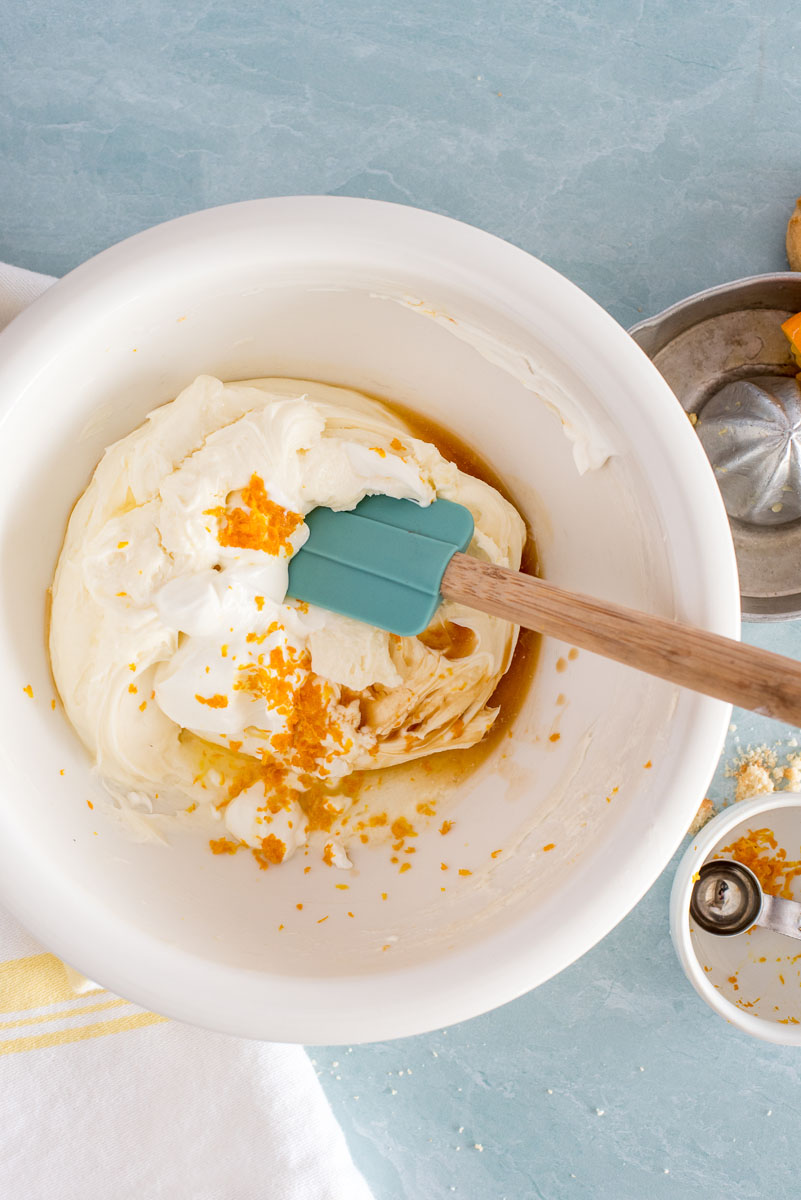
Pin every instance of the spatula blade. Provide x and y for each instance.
(381, 562)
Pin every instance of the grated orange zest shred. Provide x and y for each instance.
(263, 525)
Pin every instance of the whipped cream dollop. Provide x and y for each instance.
(194, 681)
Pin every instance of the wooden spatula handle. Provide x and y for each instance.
(705, 662)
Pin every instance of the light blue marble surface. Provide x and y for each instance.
(645, 149)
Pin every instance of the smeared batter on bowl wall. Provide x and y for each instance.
(195, 684)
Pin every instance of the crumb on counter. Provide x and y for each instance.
(760, 770)
(753, 773)
(705, 814)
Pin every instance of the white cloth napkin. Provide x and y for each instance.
(100, 1099)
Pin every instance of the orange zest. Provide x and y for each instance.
(263, 525)
(272, 851)
(224, 846)
(774, 871)
(401, 828)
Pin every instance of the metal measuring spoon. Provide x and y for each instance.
(728, 899)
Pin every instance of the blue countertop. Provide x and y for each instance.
(646, 149)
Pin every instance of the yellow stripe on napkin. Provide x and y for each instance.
(61, 1014)
(32, 983)
(81, 1033)
(29, 985)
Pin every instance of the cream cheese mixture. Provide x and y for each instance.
(192, 679)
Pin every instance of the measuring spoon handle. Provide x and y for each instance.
(780, 915)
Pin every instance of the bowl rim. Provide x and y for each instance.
(193, 989)
(729, 819)
(747, 288)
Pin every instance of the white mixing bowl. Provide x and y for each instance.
(491, 342)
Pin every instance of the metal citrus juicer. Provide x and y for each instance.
(725, 357)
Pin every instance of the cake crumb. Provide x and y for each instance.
(752, 772)
(705, 814)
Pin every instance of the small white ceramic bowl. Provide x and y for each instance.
(753, 979)
(493, 344)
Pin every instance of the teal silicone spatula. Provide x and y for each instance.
(391, 562)
(382, 562)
